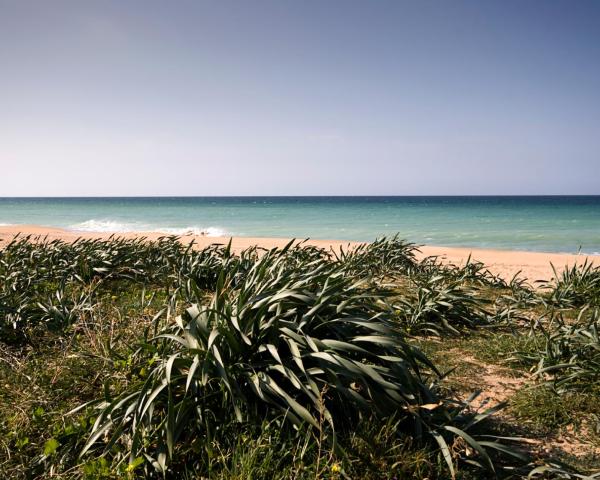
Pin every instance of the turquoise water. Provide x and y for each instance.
(553, 224)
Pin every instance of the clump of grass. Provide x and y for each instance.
(569, 358)
(50, 284)
(471, 272)
(436, 306)
(576, 286)
(385, 257)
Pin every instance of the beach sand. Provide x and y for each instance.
(505, 263)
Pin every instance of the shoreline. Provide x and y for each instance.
(506, 263)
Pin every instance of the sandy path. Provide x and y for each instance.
(506, 263)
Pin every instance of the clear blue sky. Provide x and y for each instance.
(299, 97)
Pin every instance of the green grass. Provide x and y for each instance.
(134, 359)
(576, 286)
(548, 411)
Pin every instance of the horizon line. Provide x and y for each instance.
(300, 196)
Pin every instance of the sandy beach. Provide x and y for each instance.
(506, 263)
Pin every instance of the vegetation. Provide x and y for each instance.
(137, 359)
(577, 286)
(570, 358)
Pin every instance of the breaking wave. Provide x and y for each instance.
(105, 226)
(112, 226)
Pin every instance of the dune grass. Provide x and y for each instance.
(135, 359)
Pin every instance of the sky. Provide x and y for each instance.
(280, 97)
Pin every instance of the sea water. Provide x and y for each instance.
(535, 223)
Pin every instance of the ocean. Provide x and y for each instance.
(533, 223)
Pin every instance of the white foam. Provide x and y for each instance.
(112, 226)
(103, 226)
